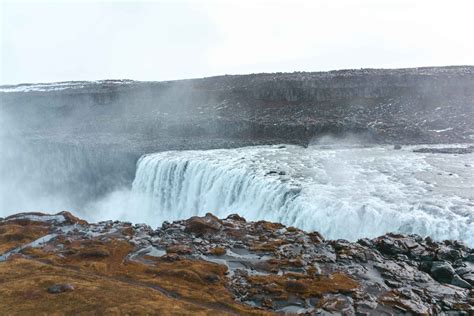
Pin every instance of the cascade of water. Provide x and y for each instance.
(343, 193)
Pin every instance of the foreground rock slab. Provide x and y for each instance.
(209, 266)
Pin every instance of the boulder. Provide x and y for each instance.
(60, 288)
(236, 217)
(388, 244)
(469, 277)
(201, 226)
(458, 281)
(442, 271)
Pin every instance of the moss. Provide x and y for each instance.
(217, 251)
(304, 285)
(268, 246)
(18, 233)
(103, 276)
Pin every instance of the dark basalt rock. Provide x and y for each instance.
(236, 217)
(442, 271)
(454, 150)
(458, 281)
(60, 288)
(469, 277)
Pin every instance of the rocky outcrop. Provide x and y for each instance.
(206, 265)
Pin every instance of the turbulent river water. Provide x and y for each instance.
(343, 192)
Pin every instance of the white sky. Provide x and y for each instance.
(164, 40)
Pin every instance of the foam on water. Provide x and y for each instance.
(349, 193)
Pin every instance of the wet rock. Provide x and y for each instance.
(389, 245)
(463, 270)
(201, 226)
(60, 288)
(458, 281)
(338, 303)
(278, 268)
(71, 219)
(469, 277)
(447, 253)
(236, 217)
(316, 237)
(442, 271)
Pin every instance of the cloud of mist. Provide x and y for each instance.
(70, 150)
(347, 139)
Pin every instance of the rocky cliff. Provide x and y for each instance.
(419, 105)
(207, 266)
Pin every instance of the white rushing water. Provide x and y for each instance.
(350, 192)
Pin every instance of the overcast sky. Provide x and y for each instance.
(164, 40)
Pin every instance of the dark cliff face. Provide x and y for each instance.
(405, 105)
(109, 122)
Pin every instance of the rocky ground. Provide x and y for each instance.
(205, 265)
(447, 150)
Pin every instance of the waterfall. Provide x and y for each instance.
(343, 193)
(175, 186)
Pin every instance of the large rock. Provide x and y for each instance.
(458, 281)
(60, 288)
(442, 271)
(469, 277)
(201, 226)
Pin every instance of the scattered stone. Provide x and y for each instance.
(60, 288)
